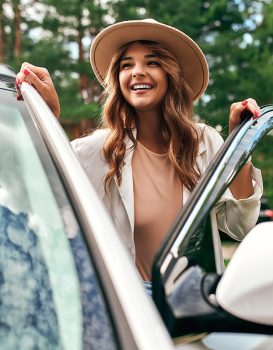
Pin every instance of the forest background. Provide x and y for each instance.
(236, 36)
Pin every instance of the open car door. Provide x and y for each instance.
(189, 265)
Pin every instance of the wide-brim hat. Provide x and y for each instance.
(190, 57)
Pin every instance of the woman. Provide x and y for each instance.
(151, 153)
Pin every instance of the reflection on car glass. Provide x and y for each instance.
(199, 248)
(43, 254)
(25, 289)
(26, 189)
(70, 223)
(97, 330)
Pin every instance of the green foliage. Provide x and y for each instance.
(238, 68)
(236, 36)
(80, 110)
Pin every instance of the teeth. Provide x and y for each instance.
(141, 86)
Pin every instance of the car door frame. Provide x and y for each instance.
(137, 322)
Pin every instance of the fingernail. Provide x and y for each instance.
(244, 103)
(18, 85)
(26, 72)
(257, 114)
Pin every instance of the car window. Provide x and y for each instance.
(50, 295)
(261, 159)
(199, 248)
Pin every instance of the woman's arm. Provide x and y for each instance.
(242, 187)
(41, 80)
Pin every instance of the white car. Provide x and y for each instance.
(67, 282)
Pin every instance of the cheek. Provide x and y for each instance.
(122, 82)
(163, 78)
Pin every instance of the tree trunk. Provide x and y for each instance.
(18, 33)
(83, 79)
(2, 38)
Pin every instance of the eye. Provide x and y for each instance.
(153, 63)
(125, 65)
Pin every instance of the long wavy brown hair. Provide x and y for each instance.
(178, 130)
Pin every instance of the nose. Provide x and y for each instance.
(138, 71)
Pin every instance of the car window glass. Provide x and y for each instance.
(50, 296)
(199, 247)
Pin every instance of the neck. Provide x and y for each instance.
(149, 131)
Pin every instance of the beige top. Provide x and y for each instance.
(157, 201)
(235, 217)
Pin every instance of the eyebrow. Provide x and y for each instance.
(130, 58)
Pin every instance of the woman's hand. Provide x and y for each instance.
(41, 80)
(241, 110)
(242, 187)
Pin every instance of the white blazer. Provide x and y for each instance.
(235, 217)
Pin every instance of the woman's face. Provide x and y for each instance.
(143, 81)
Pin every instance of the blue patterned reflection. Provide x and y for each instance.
(27, 316)
(97, 329)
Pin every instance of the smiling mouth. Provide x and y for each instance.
(142, 87)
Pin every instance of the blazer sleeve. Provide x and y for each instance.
(236, 217)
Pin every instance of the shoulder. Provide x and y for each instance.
(208, 131)
(210, 140)
(209, 136)
(89, 151)
(91, 143)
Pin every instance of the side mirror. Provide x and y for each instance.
(246, 288)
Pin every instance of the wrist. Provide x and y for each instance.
(56, 111)
(231, 127)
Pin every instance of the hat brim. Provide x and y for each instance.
(188, 54)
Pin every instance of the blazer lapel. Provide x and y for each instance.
(200, 166)
(126, 189)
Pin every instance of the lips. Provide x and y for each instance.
(143, 86)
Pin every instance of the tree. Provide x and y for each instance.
(55, 35)
(17, 24)
(2, 37)
(74, 22)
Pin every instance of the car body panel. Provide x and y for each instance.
(228, 341)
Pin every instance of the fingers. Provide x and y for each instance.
(34, 79)
(242, 110)
(40, 78)
(247, 105)
(33, 74)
